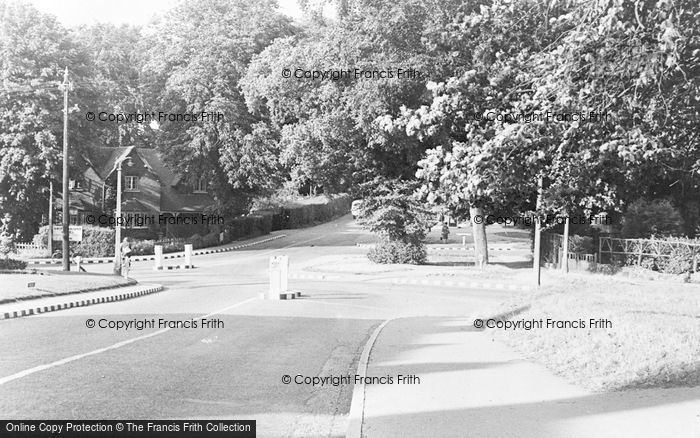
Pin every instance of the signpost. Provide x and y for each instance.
(75, 233)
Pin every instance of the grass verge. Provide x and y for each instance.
(654, 340)
(13, 287)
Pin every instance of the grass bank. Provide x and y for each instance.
(13, 287)
(653, 338)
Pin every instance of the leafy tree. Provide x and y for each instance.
(114, 57)
(34, 50)
(332, 129)
(400, 220)
(199, 54)
(484, 51)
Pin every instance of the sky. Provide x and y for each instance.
(138, 12)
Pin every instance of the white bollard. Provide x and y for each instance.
(284, 273)
(158, 250)
(279, 268)
(78, 262)
(188, 255)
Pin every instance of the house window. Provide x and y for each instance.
(137, 219)
(130, 183)
(201, 186)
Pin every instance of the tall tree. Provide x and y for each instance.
(34, 50)
(200, 52)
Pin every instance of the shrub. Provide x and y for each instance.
(97, 241)
(12, 264)
(303, 215)
(248, 226)
(581, 244)
(7, 244)
(196, 241)
(173, 246)
(651, 218)
(143, 247)
(211, 239)
(679, 262)
(388, 251)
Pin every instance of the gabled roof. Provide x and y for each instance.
(103, 160)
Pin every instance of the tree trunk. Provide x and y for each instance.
(481, 250)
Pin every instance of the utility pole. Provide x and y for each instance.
(118, 226)
(65, 248)
(565, 244)
(50, 243)
(118, 216)
(538, 232)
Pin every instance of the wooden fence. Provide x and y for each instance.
(20, 246)
(641, 248)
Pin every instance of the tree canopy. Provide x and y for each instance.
(599, 99)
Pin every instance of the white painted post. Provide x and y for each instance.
(284, 273)
(158, 250)
(275, 278)
(78, 261)
(188, 255)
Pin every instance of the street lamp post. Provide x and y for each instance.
(118, 216)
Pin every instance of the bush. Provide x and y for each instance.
(581, 244)
(388, 251)
(248, 226)
(143, 247)
(12, 264)
(211, 239)
(196, 241)
(303, 215)
(658, 217)
(97, 241)
(679, 262)
(7, 244)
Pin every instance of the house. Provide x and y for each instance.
(156, 201)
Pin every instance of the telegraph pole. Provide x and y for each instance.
(65, 248)
(538, 232)
(565, 262)
(50, 243)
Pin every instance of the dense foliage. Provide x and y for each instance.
(477, 127)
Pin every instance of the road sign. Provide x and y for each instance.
(75, 233)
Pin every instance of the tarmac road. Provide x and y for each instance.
(53, 366)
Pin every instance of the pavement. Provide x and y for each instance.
(468, 385)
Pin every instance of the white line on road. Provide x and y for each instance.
(36, 369)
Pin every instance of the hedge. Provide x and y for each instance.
(247, 226)
(299, 216)
(97, 241)
(7, 264)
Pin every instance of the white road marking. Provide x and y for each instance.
(36, 369)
